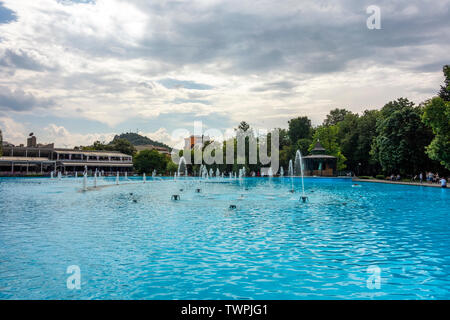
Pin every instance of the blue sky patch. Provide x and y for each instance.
(6, 15)
(178, 84)
(69, 2)
(180, 101)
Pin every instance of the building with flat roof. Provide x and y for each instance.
(42, 160)
(162, 150)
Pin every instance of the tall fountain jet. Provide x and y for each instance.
(217, 173)
(144, 178)
(281, 172)
(85, 182)
(154, 173)
(290, 169)
(95, 179)
(117, 178)
(299, 171)
(51, 175)
(59, 175)
(182, 166)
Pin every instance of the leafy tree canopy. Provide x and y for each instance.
(335, 116)
(148, 160)
(299, 128)
(401, 138)
(327, 135)
(445, 89)
(138, 140)
(437, 115)
(120, 145)
(243, 126)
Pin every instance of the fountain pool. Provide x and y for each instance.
(131, 241)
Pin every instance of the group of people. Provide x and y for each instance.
(431, 178)
(394, 178)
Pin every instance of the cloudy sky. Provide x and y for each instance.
(78, 71)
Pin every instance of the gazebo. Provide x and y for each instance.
(318, 163)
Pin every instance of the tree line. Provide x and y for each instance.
(400, 138)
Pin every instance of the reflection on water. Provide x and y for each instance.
(133, 242)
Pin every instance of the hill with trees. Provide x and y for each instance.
(138, 140)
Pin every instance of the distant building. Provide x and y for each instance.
(31, 142)
(162, 150)
(319, 163)
(45, 158)
(192, 141)
(7, 144)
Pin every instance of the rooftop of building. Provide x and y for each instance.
(319, 152)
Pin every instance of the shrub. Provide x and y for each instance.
(380, 177)
(365, 177)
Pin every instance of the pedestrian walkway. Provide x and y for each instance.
(425, 184)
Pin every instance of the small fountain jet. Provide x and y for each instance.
(299, 171)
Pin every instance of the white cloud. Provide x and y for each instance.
(162, 135)
(12, 131)
(262, 62)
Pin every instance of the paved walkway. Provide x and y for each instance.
(425, 184)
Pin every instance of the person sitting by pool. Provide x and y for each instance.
(443, 183)
(392, 177)
(398, 177)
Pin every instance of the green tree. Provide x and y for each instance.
(299, 128)
(445, 89)
(148, 160)
(243, 126)
(327, 135)
(244, 131)
(285, 155)
(122, 145)
(401, 138)
(303, 146)
(171, 167)
(347, 138)
(97, 146)
(284, 139)
(437, 115)
(335, 116)
(366, 132)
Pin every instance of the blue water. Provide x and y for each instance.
(271, 247)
